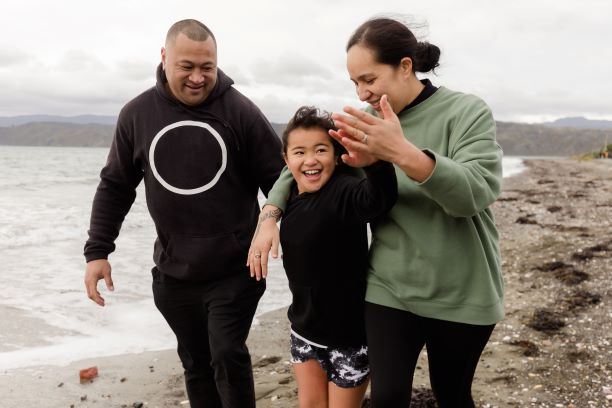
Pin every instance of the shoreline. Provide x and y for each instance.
(551, 350)
(153, 378)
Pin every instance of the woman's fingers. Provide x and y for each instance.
(361, 115)
(386, 108)
(357, 154)
(348, 131)
(345, 121)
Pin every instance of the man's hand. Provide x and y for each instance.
(96, 270)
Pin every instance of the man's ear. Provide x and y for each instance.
(163, 58)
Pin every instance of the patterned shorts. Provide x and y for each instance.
(346, 367)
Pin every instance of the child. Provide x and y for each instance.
(325, 254)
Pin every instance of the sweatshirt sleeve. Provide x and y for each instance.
(279, 194)
(469, 179)
(264, 150)
(372, 196)
(114, 196)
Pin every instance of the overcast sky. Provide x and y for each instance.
(530, 60)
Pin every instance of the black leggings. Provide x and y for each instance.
(395, 340)
(211, 321)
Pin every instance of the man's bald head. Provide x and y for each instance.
(193, 29)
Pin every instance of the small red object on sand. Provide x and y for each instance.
(88, 374)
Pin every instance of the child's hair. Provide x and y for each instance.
(309, 117)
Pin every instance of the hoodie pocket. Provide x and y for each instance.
(204, 256)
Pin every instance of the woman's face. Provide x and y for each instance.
(310, 157)
(373, 79)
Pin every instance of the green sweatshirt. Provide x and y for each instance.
(436, 253)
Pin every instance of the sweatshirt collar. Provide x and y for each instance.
(425, 93)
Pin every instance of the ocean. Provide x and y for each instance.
(46, 317)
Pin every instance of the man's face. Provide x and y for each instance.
(191, 69)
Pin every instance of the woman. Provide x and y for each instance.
(434, 275)
(325, 247)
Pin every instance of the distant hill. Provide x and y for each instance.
(67, 134)
(279, 128)
(581, 123)
(520, 139)
(517, 139)
(57, 134)
(80, 119)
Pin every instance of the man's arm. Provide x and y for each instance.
(114, 197)
(263, 150)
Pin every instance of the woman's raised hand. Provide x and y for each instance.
(368, 138)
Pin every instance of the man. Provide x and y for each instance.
(203, 150)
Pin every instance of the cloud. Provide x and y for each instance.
(11, 57)
(280, 85)
(136, 70)
(524, 58)
(77, 60)
(291, 69)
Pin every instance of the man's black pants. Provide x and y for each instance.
(211, 321)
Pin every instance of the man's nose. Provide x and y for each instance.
(197, 76)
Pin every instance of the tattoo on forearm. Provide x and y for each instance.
(275, 214)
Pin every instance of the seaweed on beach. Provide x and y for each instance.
(529, 348)
(581, 299)
(526, 220)
(571, 276)
(578, 356)
(583, 255)
(267, 361)
(503, 198)
(552, 266)
(546, 321)
(603, 247)
(421, 398)
(546, 181)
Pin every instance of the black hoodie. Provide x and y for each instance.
(202, 168)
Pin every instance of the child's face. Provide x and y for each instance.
(310, 157)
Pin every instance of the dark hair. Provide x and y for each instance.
(392, 40)
(309, 117)
(193, 29)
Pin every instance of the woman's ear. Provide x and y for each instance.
(406, 66)
(285, 158)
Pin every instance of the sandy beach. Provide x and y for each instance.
(552, 349)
